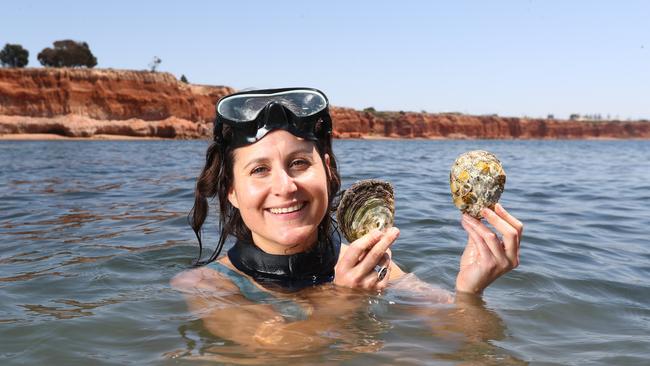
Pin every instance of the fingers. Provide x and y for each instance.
(476, 239)
(358, 249)
(511, 234)
(376, 253)
(486, 257)
(377, 277)
(509, 218)
(497, 248)
(356, 269)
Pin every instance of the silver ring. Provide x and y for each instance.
(381, 272)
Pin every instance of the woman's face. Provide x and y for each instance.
(280, 189)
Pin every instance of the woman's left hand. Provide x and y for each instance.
(486, 256)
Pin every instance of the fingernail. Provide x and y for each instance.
(488, 211)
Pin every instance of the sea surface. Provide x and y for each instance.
(91, 232)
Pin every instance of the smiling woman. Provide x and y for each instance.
(273, 170)
(280, 189)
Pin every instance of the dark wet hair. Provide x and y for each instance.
(216, 179)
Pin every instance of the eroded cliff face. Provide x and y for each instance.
(352, 123)
(84, 103)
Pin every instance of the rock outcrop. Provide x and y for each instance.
(352, 123)
(88, 102)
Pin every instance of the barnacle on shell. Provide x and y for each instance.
(366, 205)
(477, 180)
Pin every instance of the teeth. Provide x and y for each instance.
(286, 209)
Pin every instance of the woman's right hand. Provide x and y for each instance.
(356, 267)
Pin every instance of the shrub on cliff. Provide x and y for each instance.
(14, 55)
(153, 65)
(68, 53)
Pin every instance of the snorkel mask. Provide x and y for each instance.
(304, 112)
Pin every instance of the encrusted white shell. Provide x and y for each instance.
(477, 180)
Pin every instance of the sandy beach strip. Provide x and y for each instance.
(51, 136)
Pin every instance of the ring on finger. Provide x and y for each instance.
(381, 272)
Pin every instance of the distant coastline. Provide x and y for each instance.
(100, 137)
(52, 136)
(60, 103)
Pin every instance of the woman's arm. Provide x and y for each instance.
(228, 314)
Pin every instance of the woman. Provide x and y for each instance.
(272, 168)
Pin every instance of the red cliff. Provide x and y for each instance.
(84, 103)
(352, 123)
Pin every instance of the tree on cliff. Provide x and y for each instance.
(68, 53)
(14, 55)
(153, 65)
(184, 79)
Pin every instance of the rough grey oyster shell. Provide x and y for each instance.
(366, 205)
(477, 180)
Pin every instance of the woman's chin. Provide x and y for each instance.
(297, 240)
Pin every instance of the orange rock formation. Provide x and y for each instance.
(83, 103)
(352, 123)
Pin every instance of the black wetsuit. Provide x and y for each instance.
(287, 273)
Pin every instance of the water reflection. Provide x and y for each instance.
(75, 309)
(32, 275)
(476, 326)
(340, 325)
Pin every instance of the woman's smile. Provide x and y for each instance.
(285, 211)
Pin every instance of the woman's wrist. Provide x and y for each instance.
(469, 290)
(472, 283)
(468, 298)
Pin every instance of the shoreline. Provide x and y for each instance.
(52, 136)
(105, 137)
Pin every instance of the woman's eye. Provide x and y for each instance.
(259, 170)
(300, 163)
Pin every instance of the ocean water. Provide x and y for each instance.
(92, 231)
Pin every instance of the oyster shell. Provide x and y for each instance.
(366, 205)
(477, 180)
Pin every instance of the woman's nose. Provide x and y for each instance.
(283, 183)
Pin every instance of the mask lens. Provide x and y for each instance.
(245, 107)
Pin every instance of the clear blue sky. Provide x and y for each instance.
(513, 58)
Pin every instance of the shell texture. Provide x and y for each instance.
(366, 205)
(477, 180)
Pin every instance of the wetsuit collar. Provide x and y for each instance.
(287, 273)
